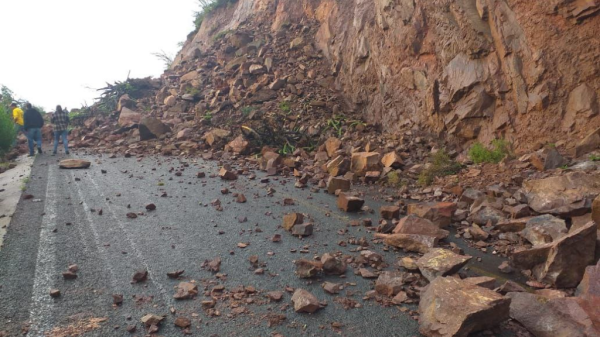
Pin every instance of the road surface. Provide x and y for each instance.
(62, 225)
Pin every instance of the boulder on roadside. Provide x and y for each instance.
(409, 242)
(412, 224)
(389, 212)
(349, 203)
(451, 307)
(151, 128)
(305, 302)
(565, 196)
(292, 219)
(561, 263)
(72, 164)
(362, 162)
(543, 229)
(337, 183)
(439, 262)
(129, 118)
(569, 317)
(440, 213)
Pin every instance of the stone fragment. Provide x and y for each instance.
(182, 322)
(440, 213)
(275, 296)
(590, 284)
(140, 276)
(292, 219)
(151, 128)
(185, 291)
(409, 242)
(440, 262)
(390, 212)
(54, 293)
(150, 319)
(332, 144)
(477, 233)
(362, 162)
(226, 174)
(69, 275)
(308, 269)
(239, 145)
(129, 118)
(590, 143)
(117, 299)
(338, 166)
(333, 265)
(409, 263)
(74, 164)
(413, 224)
(451, 307)
(482, 281)
(332, 288)
(304, 229)
(305, 302)
(544, 229)
(216, 137)
(349, 203)
(392, 160)
(389, 283)
(336, 183)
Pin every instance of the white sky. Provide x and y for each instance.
(52, 50)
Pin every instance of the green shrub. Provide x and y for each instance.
(440, 165)
(207, 7)
(8, 131)
(594, 157)
(285, 107)
(394, 179)
(247, 110)
(499, 150)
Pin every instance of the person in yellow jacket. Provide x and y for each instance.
(17, 116)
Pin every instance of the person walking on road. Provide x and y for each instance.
(18, 119)
(33, 123)
(60, 119)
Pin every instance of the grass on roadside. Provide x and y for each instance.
(440, 165)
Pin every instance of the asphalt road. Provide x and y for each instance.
(59, 227)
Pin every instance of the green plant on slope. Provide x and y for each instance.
(500, 149)
(285, 107)
(247, 110)
(594, 157)
(220, 35)
(287, 149)
(207, 7)
(8, 131)
(440, 165)
(336, 124)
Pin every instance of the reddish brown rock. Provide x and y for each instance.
(390, 212)
(140, 276)
(440, 213)
(440, 262)
(275, 296)
(182, 322)
(305, 302)
(333, 265)
(451, 307)
(226, 174)
(590, 283)
(292, 219)
(336, 183)
(308, 269)
(412, 224)
(239, 145)
(150, 319)
(409, 242)
(304, 229)
(544, 229)
(332, 288)
(561, 263)
(362, 162)
(389, 283)
(332, 145)
(151, 128)
(338, 166)
(392, 160)
(128, 117)
(349, 203)
(482, 281)
(185, 291)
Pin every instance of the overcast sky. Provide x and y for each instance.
(52, 50)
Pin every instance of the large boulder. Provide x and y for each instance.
(590, 284)
(363, 162)
(565, 196)
(412, 224)
(543, 229)
(440, 213)
(440, 262)
(451, 307)
(561, 263)
(559, 317)
(129, 118)
(151, 128)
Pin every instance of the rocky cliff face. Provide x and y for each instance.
(527, 71)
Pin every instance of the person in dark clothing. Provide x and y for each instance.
(60, 118)
(33, 123)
